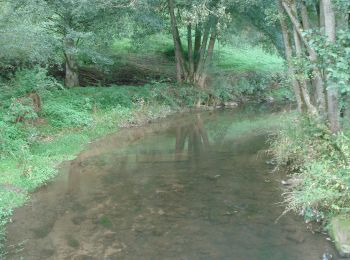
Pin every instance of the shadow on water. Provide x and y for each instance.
(190, 187)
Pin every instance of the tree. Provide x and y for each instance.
(332, 90)
(322, 55)
(71, 22)
(289, 55)
(23, 40)
(202, 22)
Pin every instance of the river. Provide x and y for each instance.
(193, 186)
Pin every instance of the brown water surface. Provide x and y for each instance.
(193, 186)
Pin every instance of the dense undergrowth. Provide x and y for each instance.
(319, 163)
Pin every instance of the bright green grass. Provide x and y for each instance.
(156, 43)
(249, 59)
(227, 57)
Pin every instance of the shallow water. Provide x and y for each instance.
(190, 187)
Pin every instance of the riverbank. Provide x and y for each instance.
(319, 166)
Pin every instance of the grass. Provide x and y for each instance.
(249, 59)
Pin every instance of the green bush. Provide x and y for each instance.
(33, 80)
(66, 115)
(14, 140)
(22, 110)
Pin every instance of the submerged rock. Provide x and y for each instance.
(340, 232)
(292, 182)
(231, 104)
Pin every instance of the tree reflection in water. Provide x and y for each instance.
(196, 137)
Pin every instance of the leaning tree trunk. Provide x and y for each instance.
(289, 56)
(332, 90)
(317, 74)
(303, 83)
(290, 9)
(72, 70)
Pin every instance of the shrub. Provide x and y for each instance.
(64, 114)
(21, 110)
(33, 80)
(14, 140)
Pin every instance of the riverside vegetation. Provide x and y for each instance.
(71, 72)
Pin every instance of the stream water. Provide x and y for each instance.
(193, 186)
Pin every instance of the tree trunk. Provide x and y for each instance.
(203, 47)
(197, 46)
(322, 18)
(332, 90)
(317, 75)
(305, 16)
(204, 60)
(72, 70)
(319, 83)
(296, 24)
(208, 59)
(303, 83)
(190, 52)
(177, 43)
(289, 56)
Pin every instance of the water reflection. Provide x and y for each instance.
(194, 136)
(182, 189)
